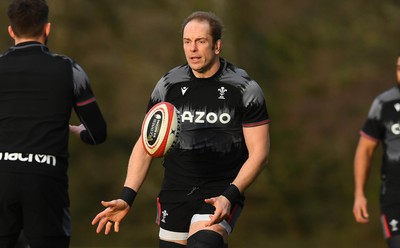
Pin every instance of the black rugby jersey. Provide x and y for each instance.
(38, 90)
(213, 112)
(383, 124)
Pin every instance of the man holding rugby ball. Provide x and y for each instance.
(223, 145)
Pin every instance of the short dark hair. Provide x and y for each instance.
(28, 17)
(216, 25)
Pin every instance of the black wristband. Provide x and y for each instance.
(232, 193)
(128, 195)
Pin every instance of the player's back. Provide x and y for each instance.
(36, 99)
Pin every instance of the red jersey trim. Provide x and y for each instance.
(158, 217)
(362, 133)
(385, 226)
(256, 123)
(80, 104)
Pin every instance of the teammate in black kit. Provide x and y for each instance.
(382, 125)
(223, 145)
(38, 90)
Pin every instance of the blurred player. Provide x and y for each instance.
(382, 125)
(38, 90)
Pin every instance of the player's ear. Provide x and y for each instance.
(47, 29)
(11, 32)
(218, 46)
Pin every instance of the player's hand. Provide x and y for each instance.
(360, 210)
(222, 209)
(76, 130)
(113, 214)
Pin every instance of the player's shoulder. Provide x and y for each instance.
(177, 74)
(231, 68)
(234, 74)
(383, 100)
(58, 56)
(77, 70)
(389, 95)
(240, 79)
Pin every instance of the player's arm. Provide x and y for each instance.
(139, 164)
(116, 210)
(362, 166)
(93, 129)
(258, 144)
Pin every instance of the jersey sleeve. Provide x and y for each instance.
(158, 94)
(82, 91)
(177, 74)
(373, 127)
(87, 109)
(255, 108)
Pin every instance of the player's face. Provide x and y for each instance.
(201, 54)
(398, 70)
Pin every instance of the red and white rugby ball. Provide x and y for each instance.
(160, 129)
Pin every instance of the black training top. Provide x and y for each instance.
(383, 124)
(213, 110)
(38, 90)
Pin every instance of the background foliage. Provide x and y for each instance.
(320, 63)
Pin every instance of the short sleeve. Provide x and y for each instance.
(255, 108)
(373, 127)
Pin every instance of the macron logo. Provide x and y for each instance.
(28, 158)
(184, 89)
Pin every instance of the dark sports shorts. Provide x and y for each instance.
(390, 210)
(177, 209)
(36, 204)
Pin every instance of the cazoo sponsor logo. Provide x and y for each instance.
(28, 158)
(203, 117)
(396, 129)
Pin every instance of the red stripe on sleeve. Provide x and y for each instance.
(256, 123)
(368, 136)
(79, 104)
(158, 217)
(385, 226)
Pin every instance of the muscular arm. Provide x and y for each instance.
(362, 166)
(258, 143)
(139, 164)
(116, 210)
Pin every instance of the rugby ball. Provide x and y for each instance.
(160, 129)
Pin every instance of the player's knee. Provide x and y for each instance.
(168, 244)
(394, 241)
(205, 239)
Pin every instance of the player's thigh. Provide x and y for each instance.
(171, 244)
(49, 242)
(224, 228)
(390, 212)
(10, 206)
(8, 241)
(201, 225)
(173, 218)
(394, 241)
(46, 208)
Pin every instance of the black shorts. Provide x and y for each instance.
(177, 209)
(390, 210)
(36, 204)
